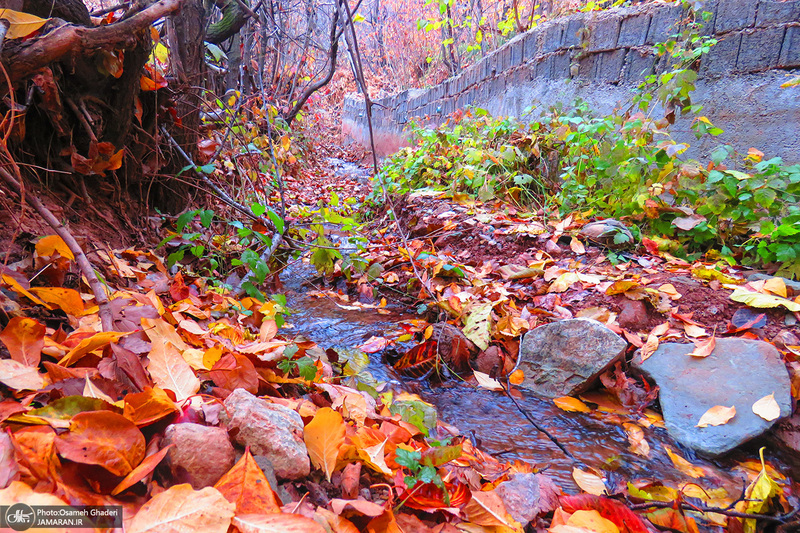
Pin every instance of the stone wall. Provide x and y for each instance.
(600, 57)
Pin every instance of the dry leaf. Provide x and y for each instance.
(17, 376)
(20, 24)
(716, 416)
(757, 299)
(68, 300)
(670, 290)
(577, 246)
(95, 342)
(639, 444)
(487, 509)
(487, 382)
(24, 338)
(588, 482)
(517, 377)
(51, 245)
(649, 347)
(140, 472)
(181, 509)
(246, 486)
(324, 437)
(572, 405)
(276, 523)
(776, 286)
(704, 348)
(767, 408)
(694, 331)
(103, 438)
(170, 371)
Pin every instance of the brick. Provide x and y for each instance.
(790, 51)
(505, 58)
(771, 12)
(760, 49)
(604, 33)
(552, 36)
(734, 15)
(574, 34)
(722, 57)
(638, 66)
(541, 69)
(663, 24)
(633, 30)
(587, 65)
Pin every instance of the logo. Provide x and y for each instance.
(19, 517)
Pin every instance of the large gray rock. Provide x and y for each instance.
(738, 373)
(201, 454)
(565, 358)
(271, 430)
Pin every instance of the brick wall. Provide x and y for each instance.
(601, 56)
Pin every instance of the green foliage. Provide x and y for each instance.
(303, 367)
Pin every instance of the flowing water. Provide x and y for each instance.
(596, 440)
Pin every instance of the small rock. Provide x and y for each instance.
(745, 316)
(269, 472)
(552, 248)
(788, 432)
(738, 373)
(789, 319)
(271, 430)
(564, 358)
(201, 454)
(633, 316)
(526, 496)
(609, 232)
(785, 338)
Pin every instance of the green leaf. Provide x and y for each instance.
(258, 209)
(278, 221)
(206, 216)
(184, 219)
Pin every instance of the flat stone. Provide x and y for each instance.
(271, 430)
(738, 373)
(200, 457)
(565, 358)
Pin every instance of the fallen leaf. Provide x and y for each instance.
(95, 342)
(477, 325)
(246, 486)
(639, 444)
(716, 416)
(140, 472)
(51, 245)
(670, 290)
(68, 300)
(577, 246)
(564, 282)
(757, 299)
(276, 523)
(767, 408)
(149, 406)
(21, 24)
(485, 508)
(103, 438)
(571, 405)
(586, 520)
(704, 348)
(650, 346)
(374, 344)
(517, 377)
(24, 338)
(360, 505)
(588, 482)
(776, 286)
(17, 376)
(324, 437)
(683, 465)
(181, 509)
(487, 382)
(758, 495)
(170, 371)
(694, 331)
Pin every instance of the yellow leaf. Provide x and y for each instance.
(639, 444)
(51, 245)
(759, 300)
(324, 436)
(588, 482)
(19, 289)
(571, 405)
(374, 457)
(758, 494)
(20, 24)
(717, 416)
(694, 331)
(478, 324)
(592, 521)
(767, 408)
(517, 377)
(564, 282)
(68, 300)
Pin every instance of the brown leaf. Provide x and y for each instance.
(234, 371)
(246, 486)
(103, 438)
(324, 436)
(24, 338)
(140, 472)
(144, 408)
(485, 508)
(180, 509)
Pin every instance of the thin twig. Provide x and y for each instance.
(106, 318)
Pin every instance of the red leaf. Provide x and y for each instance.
(625, 519)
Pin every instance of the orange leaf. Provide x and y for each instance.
(103, 438)
(140, 472)
(90, 344)
(572, 405)
(68, 300)
(17, 376)
(517, 377)
(276, 523)
(234, 371)
(324, 436)
(24, 338)
(52, 245)
(704, 348)
(181, 509)
(683, 465)
(144, 408)
(487, 509)
(246, 486)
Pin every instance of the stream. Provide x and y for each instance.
(597, 440)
